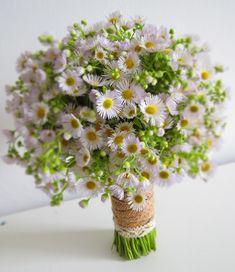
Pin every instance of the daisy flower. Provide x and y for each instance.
(87, 114)
(125, 127)
(150, 163)
(166, 177)
(91, 138)
(149, 43)
(129, 111)
(137, 200)
(108, 105)
(94, 80)
(204, 68)
(112, 73)
(117, 191)
(153, 110)
(130, 93)
(88, 187)
(194, 111)
(72, 125)
(131, 145)
(207, 169)
(39, 112)
(100, 54)
(148, 175)
(83, 157)
(68, 81)
(115, 17)
(129, 63)
(116, 140)
(127, 179)
(47, 135)
(180, 56)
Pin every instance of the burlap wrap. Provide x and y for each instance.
(137, 222)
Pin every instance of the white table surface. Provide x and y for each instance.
(195, 222)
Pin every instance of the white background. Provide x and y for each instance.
(196, 221)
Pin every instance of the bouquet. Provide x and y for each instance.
(112, 110)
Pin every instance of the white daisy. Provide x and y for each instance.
(72, 125)
(88, 187)
(39, 112)
(125, 127)
(47, 135)
(207, 169)
(129, 111)
(149, 43)
(166, 177)
(83, 157)
(203, 66)
(100, 54)
(150, 162)
(94, 80)
(129, 63)
(116, 140)
(153, 109)
(114, 17)
(68, 81)
(112, 73)
(117, 191)
(130, 93)
(137, 200)
(87, 114)
(108, 105)
(194, 111)
(148, 175)
(131, 145)
(180, 56)
(91, 138)
(127, 179)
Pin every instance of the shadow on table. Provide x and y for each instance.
(81, 244)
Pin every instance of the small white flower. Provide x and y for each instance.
(153, 109)
(129, 63)
(130, 93)
(39, 112)
(150, 163)
(47, 135)
(87, 114)
(137, 200)
(100, 54)
(125, 127)
(68, 81)
(72, 125)
(88, 187)
(129, 111)
(127, 179)
(193, 111)
(180, 56)
(114, 17)
(108, 105)
(131, 145)
(117, 191)
(83, 157)
(149, 43)
(91, 138)
(94, 80)
(116, 140)
(207, 169)
(166, 177)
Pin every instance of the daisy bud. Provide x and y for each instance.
(160, 132)
(102, 153)
(89, 68)
(104, 197)
(127, 165)
(154, 82)
(100, 173)
(84, 22)
(149, 79)
(150, 133)
(84, 203)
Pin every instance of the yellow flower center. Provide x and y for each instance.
(120, 155)
(91, 136)
(129, 63)
(149, 45)
(113, 20)
(152, 161)
(205, 74)
(108, 103)
(74, 123)
(210, 142)
(194, 108)
(138, 199)
(151, 109)
(132, 148)
(100, 55)
(206, 167)
(144, 151)
(145, 174)
(118, 139)
(137, 48)
(91, 185)
(127, 94)
(164, 174)
(184, 123)
(70, 81)
(85, 158)
(41, 112)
